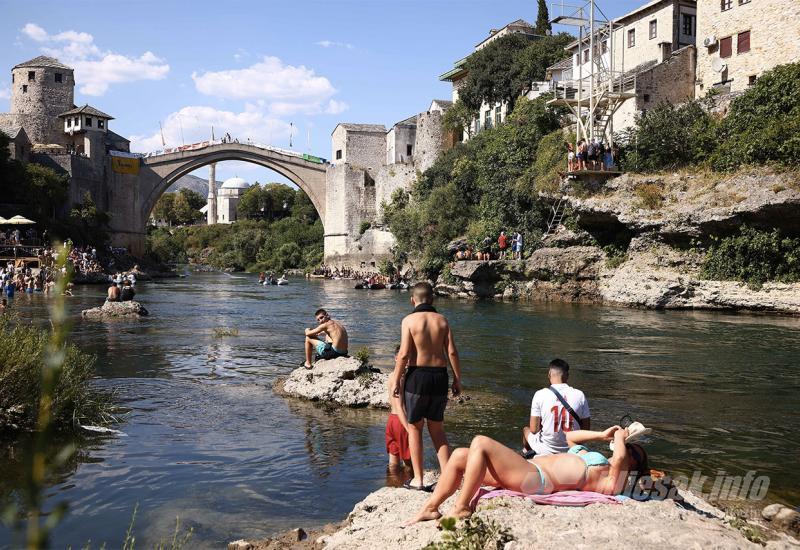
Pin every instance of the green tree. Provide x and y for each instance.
(542, 19)
(185, 209)
(90, 222)
(164, 208)
(532, 62)
(252, 203)
(458, 118)
(43, 192)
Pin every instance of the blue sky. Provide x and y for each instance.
(254, 68)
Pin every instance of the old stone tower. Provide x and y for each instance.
(41, 89)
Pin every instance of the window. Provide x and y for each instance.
(409, 149)
(751, 79)
(338, 154)
(31, 76)
(487, 119)
(653, 28)
(586, 55)
(100, 122)
(76, 121)
(688, 24)
(743, 42)
(24, 88)
(69, 122)
(88, 122)
(498, 114)
(726, 47)
(647, 98)
(631, 38)
(59, 77)
(577, 59)
(477, 124)
(604, 46)
(725, 5)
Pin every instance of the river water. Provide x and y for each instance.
(207, 440)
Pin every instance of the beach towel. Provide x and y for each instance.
(564, 498)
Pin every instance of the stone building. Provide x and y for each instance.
(488, 115)
(223, 202)
(19, 146)
(645, 48)
(85, 129)
(740, 39)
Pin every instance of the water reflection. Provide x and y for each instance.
(207, 439)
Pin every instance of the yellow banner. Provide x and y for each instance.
(123, 165)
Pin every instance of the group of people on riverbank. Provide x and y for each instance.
(554, 456)
(509, 247)
(335, 272)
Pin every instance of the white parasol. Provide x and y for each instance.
(18, 220)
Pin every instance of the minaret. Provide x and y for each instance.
(212, 194)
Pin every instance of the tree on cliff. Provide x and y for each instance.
(543, 19)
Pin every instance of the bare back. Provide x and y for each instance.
(429, 340)
(337, 334)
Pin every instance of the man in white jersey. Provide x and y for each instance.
(550, 418)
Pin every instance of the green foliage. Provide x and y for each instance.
(501, 70)
(475, 189)
(668, 137)
(362, 355)
(181, 208)
(615, 255)
(762, 127)
(89, 222)
(754, 257)
(365, 225)
(273, 201)
(387, 268)
(43, 191)
(763, 124)
(292, 240)
(458, 118)
(543, 25)
(23, 353)
(547, 170)
(474, 533)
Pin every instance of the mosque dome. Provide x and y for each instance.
(235, 183)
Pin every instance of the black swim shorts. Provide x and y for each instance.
(426, 393)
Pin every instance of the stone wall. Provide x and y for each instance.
(388, 180)
(397, 141)
(430, 140)
(672, 80)
(774, 29)
(366, 150)
(38, 108)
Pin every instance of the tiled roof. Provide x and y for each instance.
(43, 61)
(362, 127)
(565, 63)
(10, 131)
(87, 110)
(410, 121)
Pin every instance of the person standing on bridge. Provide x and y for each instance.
(336, 342)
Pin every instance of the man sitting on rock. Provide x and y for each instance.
(113, 293)
(335, 342)
(127, 293)
(426, 345)
(555, 410)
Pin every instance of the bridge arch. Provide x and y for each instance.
(163, 170)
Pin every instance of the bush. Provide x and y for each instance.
(650, 196)
(474, 533)
(365, 225)
(754, 257)
(362, 355)
(763, 124)
(75, 401)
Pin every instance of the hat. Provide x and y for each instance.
(636, 431)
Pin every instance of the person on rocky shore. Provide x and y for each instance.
(489, 462)
(426, 344)
(555, 411)
(334, 344)
(113, 293)
(127, 293)
(397, 431)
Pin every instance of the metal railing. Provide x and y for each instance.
(616, 82)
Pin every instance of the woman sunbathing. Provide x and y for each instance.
(488, 462)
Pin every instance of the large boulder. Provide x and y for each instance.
(342, 381)
(116, 311)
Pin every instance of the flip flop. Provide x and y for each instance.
(407, 485)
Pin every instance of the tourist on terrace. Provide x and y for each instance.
(570, 157)
(488, 462)
(335, 343)
(502, 244)
(555, 411)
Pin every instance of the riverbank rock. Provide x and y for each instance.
(115, 311)
(375, 523)
(343, 381)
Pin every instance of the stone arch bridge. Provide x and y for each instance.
(132, 197)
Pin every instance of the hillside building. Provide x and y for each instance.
(738, 40)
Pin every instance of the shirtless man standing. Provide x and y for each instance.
(426, 343)
(334, 346)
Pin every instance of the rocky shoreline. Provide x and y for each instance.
(694, 523)
(660, 266)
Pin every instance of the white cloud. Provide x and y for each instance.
(268, 80)
(334, 44)
(193, 124)
(96, 69)
(5, 93)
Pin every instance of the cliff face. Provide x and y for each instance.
(661, 221)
